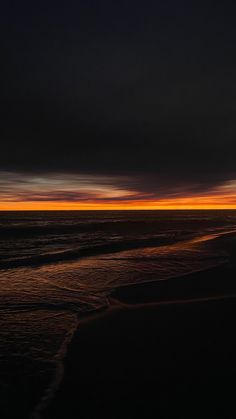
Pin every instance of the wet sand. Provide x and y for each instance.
(162, 350)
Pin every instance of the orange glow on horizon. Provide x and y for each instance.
(196, 202)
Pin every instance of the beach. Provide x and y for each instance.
(161, 350)
(117, 315)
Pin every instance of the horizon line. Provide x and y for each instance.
(121, 209)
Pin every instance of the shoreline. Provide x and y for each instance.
(143, 320)
(136, 337)
(59, 358)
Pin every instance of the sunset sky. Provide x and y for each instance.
(118, 105)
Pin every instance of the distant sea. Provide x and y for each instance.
(57, 266)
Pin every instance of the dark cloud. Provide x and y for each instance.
(62, 187)
(140, 90)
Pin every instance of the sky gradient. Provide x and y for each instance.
(118, 104)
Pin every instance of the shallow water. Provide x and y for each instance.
(57, 265)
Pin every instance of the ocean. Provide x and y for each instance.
(57, 267)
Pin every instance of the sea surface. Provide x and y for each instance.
(56, 267)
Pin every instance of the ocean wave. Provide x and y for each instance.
(108, 247)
